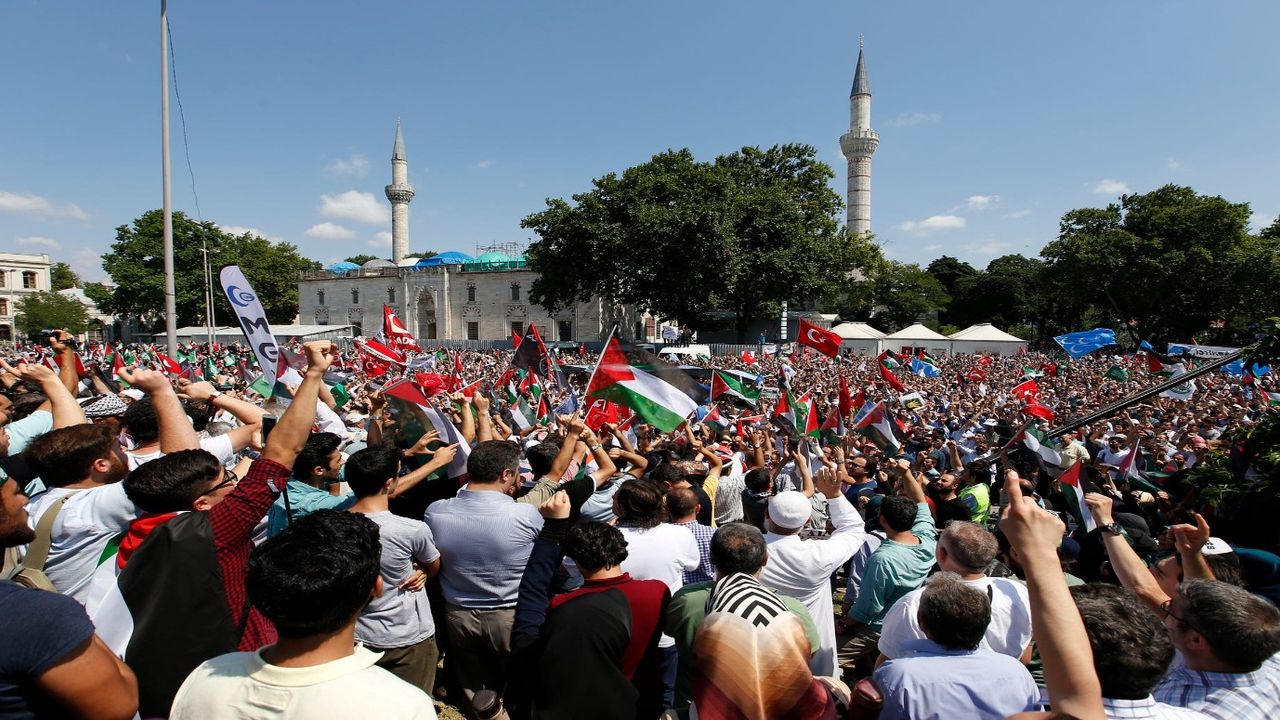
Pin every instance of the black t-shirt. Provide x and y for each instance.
(39, 630)
(704, 502)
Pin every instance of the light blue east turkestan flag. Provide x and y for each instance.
(924, 368)
(1079, 344)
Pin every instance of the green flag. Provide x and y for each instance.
(340, 394)
(261, 386)
(1117, 373)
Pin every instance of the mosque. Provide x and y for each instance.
(454, 296)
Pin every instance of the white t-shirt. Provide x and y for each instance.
(242, 685)
(665, 553)
(84, 526)
(1009, 632)
(219, 446)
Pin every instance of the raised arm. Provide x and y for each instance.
(1189, 540)
(249, 415)
(605, 468)
(468, 428)
(1125, 563)
(440, 458)
(290, 434)
(911, 486)
(61, 342)
(62, 404)
(176, 432)
(484, 422)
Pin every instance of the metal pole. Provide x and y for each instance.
(1141, 395)
(208, 291)
(170, 295)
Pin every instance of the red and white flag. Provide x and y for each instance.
(824, 341)
(1028, 392)
(398, 337)
(379, 352)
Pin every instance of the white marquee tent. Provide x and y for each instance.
(914, 337)
(860, 337)
(986, 338)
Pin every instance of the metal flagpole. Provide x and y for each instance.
(208, 291)
(170, 295)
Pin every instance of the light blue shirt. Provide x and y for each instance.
(930, 681)
(22, 432)
(303, 500)
(1233, 696)
(484, 539)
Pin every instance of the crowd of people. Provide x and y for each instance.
(182, 543)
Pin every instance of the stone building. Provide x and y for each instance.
(451, 296)
(21, 274)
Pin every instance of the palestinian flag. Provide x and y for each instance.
(1073, 490)
(658, 402)
(784, 413)
(1273, 399)
(713, 417)
(878, 426)
(723, 383)
(886, 374)
(807, 416)
(889, 359)
(1044, 449)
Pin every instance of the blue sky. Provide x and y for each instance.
(995, 117)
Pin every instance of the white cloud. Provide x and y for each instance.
(361, 207)
(935, 222)
(87, 263)
(931, 247)
(910, 119)
(1112, 187)
(353, 164)
(36, 240)
(990, 248)
(239, 230)
(1020, 213)
(381, 239)
(1173, 163)
(981, 202)
(1258, 220)
(329, 231)
(25, 204)
(484, 164)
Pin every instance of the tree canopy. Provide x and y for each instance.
(361, 258)
(686, 239)
(47, 309)
(62, 277)
(136, 266)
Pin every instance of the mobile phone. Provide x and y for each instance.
(268, 424)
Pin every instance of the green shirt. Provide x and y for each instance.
(685, 615)
(977, 498)
(894, 570)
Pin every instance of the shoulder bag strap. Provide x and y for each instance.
(38, 550)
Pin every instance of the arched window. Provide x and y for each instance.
(471, 293)
(355, 296)
(515, 292)
(320, 297)
(391, 295)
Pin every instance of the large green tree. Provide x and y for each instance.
(949, 272)
(136, 266)
(685, 239)
(62, 277)
(361, 259)
(1167, 262)
(48, 309)
(1006, 293)
(903, 292)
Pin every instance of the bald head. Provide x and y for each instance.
(682, 504)
(969, 547)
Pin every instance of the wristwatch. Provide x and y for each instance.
(215, 395)
(1113, 528)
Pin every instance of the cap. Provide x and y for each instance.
(790, 509)
(134, 393)
(1215, 546)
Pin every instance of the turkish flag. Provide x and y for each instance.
(985, 361)
(599, 412)
(1028, 391)
(1040, 411)
(976, 375)
(168, 364)
(846, 400)
(824, 341)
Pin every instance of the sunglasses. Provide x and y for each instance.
(228, 478)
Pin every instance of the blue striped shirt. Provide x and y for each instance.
(1227, 696)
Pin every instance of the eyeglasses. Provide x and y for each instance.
(228, 478)
(1166, 608)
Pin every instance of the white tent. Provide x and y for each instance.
(986, 338)
(860, 337)
(909, 339)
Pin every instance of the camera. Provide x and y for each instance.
(44, 336)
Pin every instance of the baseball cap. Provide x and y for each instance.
(1215, 546)
(790, 509)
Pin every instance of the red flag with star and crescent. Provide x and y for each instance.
(824, 341)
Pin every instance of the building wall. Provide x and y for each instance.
(21, 274)
(443, 303)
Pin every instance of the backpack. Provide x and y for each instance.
(30, 573)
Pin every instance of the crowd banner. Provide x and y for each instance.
(253, 320)
(1204, 352)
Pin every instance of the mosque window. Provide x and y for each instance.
(515, 292)
(473, 331)
(391, 295)
(319, 297)
(471, 293)
(355, 296)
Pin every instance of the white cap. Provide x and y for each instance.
(790, 509)
(1215, 546)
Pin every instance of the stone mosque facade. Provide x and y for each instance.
(484, 299)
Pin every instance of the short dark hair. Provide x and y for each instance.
(1131, 647)
(668, 473)
(140, 420)
(317, 574)
(172, 482)
(737, 547)
(64, 456)
(953, 614)
(897, 513)
(757, 481)
(490, 458)
(315, 453)
(970, 545)
(638, 503)
(1243, 630)
(369, 469)
(594, 545)
(542, 456)
(682, 502)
